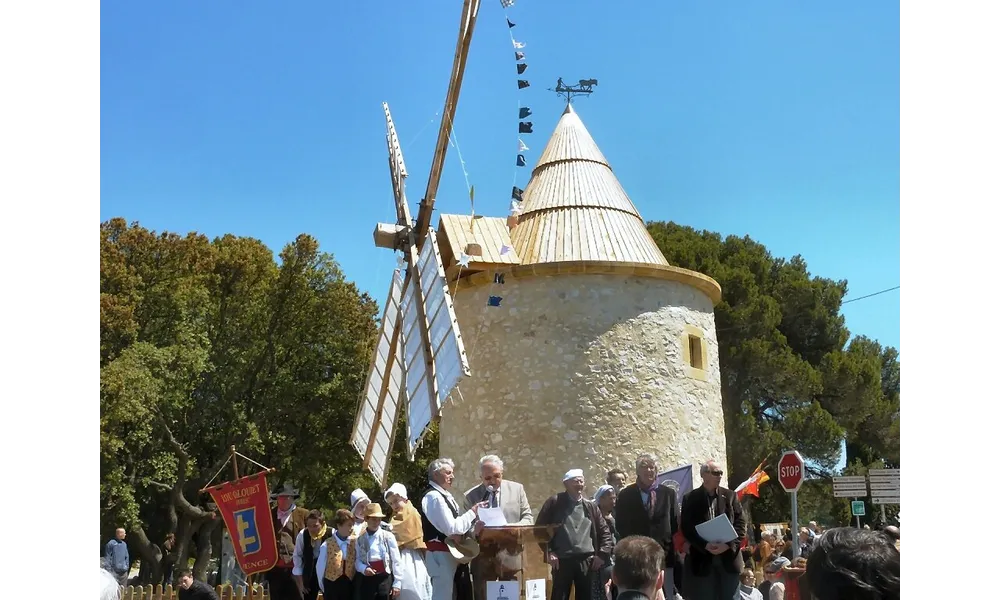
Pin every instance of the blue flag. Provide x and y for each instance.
(681, 479)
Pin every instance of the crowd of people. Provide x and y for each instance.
(787, 578)
(625, 542)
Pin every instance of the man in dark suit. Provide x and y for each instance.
(711, 570)
(644, 508)
(637, 571)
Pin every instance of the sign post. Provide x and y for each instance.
(885, 488)
(853, 487)
(791, 473)
(858, 510)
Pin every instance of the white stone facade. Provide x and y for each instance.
(583, 371)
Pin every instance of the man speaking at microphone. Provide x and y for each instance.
(510, 498)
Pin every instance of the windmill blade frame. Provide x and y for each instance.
(420, 357)
(385, 391)
(429, 314)
(467, 25)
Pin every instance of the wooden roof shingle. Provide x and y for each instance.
(575, 209)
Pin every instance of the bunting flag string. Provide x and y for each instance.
(523, 127)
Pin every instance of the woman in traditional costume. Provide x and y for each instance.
(359, 502)
(409, 532)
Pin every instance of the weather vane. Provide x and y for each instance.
(584, 88)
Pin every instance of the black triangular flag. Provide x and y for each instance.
(519, 56)
(524, 127)
(522, 83)
(515, 193)
(509, 24)
(523, 112)
(521, 67)
(520, 160)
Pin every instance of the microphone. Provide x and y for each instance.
(490, 494)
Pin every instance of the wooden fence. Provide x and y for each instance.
(169, 592)
(225, 592)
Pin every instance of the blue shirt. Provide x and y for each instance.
(116, 556)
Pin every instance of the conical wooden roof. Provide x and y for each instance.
(574, 209)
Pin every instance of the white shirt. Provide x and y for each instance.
(380, 545)
(297, 565)
(297, 554)
(439, 512)
(284, 515)
(321, 557)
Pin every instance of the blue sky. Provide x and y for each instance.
(778, 120)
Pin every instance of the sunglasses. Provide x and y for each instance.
(716, 473)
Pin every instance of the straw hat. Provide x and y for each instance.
(464, 550)
(374, 510)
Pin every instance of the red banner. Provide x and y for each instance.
(246, 509)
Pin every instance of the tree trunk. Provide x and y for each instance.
(150, 555)
(204, 551)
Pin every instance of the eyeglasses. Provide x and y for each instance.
(716, 473)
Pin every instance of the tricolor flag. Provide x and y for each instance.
(752, 484)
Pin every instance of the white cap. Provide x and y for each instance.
(357, 496)
(397, 488)
(572, 473)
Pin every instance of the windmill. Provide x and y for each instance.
(420, 357)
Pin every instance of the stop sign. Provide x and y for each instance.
(791, 471)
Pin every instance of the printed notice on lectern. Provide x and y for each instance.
(535, 589)
(506, 590)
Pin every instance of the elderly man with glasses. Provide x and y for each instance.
(711, 570)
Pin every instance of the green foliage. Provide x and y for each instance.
(789, 377)
(207, 344)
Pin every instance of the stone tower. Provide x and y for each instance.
(598, 350)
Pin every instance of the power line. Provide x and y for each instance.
(869, 295)
(842, 303)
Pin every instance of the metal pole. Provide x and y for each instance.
(884, 522)
(795, 524)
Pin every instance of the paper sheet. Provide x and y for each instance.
(719, 530)
(535, 589)
(503, 590)
(492, 517)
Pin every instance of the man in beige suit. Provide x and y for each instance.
(510, 497)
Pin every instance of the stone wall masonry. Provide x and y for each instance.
(582, 371)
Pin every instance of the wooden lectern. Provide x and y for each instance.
(512, 553)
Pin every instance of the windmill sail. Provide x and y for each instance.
(420, 357)
(434, 353)
(375, 424)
